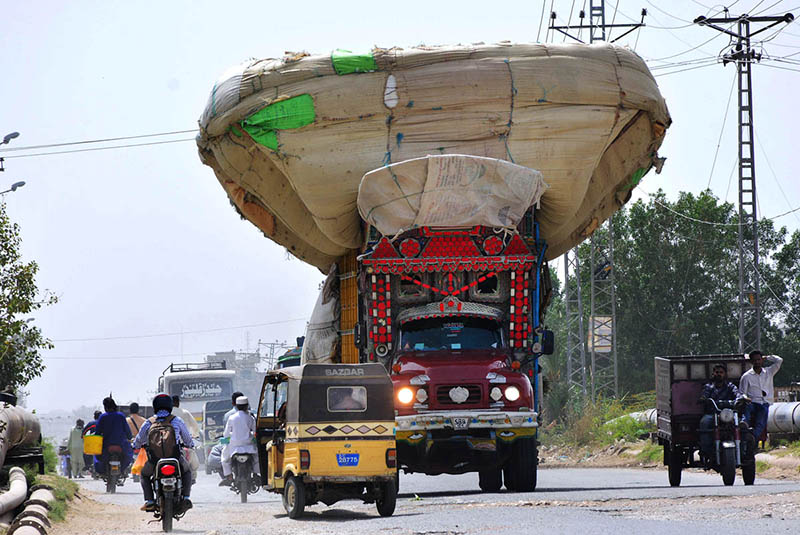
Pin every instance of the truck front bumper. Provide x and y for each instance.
(466, 420)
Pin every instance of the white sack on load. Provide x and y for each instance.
(448, 191)
(297, 134)
(322, 332)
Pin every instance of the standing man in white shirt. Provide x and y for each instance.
(240, 429)
(756, 384)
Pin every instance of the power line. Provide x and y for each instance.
(721, 131)
(684, 70)
(99, 148)
(126, 357)
(106, 140)
(138, 336)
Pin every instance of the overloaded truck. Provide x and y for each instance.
(432, 185)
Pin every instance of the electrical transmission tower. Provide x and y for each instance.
(744, 56)
(603, 315)
(597, 24)
(573, 311)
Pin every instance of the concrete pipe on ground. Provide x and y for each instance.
(17, 491)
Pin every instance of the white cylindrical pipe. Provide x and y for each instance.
(17, 490)
(43, 494)
(784, 417)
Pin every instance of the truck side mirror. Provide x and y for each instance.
(548, 342)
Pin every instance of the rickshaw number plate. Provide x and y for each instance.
(347, 459)
(460, 423)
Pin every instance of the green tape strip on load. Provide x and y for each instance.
(345, 62)
(636, 177)
(291, 113)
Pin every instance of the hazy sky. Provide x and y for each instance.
(142, 240)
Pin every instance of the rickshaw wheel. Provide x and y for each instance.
(294, 497)
(387, 502)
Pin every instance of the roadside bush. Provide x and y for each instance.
(50, 456)
(626, 428)
(651, 453)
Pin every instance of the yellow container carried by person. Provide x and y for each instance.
(92, 445)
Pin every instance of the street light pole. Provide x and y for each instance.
(14, 187)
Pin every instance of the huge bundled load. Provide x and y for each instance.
(290, 139)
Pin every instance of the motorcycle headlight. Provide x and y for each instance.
(726, 416)
(512, 393)
(405, 395)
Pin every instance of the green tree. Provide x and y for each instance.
(20, 342)
(676, 274)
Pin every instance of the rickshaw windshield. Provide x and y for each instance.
(273, 399)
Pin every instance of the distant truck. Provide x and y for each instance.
(455, 314)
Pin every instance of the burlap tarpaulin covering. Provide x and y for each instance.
(448, 191)
(291, 138)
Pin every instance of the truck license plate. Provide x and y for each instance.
(460, 423)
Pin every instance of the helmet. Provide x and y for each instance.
(162, 402)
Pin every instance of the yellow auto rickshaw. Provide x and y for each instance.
(325, 433)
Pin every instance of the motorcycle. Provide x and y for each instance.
(114, 476)
(734, 446)
(167, 486)
(244, 480)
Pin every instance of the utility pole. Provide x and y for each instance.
(603, 311)
(597, 24)
(744, 56)
(573, 311)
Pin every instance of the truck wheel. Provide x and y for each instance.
(522, 466)
(294, 497)
(728, 468)
(674, 461)
(490, 480)
(386, 503)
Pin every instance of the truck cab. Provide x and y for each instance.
(455, 315)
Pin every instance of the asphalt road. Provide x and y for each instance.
(567, 500)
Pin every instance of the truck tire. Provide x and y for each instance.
(520, 469)
(294, 497)
(490, 480)
(674, 461)
(728, 468)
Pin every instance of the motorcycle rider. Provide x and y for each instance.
(162, 405)
(194, 430)
(725, 394)
(90, 429)
(240, 429)
(114, 429)
(135, 420)
(232, 411)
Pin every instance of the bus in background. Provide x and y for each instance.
(198, 383)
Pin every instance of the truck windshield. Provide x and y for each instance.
(450, 333)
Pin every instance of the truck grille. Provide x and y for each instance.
(443, 395)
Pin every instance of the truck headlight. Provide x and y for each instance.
(422, 395)
(512, 393)
(405, 395)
